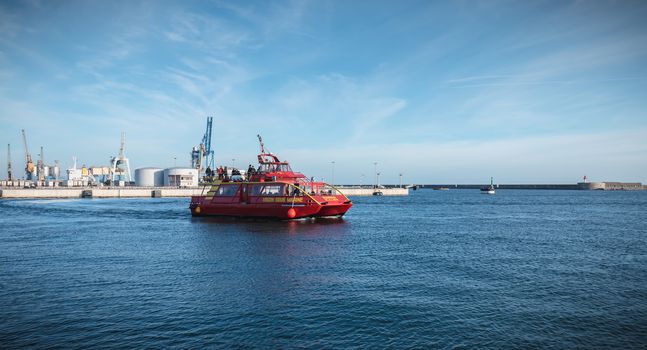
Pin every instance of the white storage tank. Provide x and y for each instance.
(55, 171)
(181, 177)
(149, 177)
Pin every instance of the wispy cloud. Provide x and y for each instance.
(205, 32)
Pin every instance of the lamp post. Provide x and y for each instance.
(378, 180)
(376, 174)
(400, 180)
(233, 162)
(332, 182)
(174, 161)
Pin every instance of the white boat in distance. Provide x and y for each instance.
(489, 189)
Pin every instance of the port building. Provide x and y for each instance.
(181, 177)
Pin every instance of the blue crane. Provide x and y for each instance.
(206, 141)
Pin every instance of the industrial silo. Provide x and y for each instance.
(55, 171)
(149, 177)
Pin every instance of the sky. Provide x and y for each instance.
(439, 91)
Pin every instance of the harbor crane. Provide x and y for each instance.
(202, 155)
(120, 160)
(206, 140)
(29, 164)
(9, 171)
(40, 165)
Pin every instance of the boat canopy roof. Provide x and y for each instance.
(272, 168)
(275, 167)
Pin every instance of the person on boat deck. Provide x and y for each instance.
(219, 172)
(251, 170)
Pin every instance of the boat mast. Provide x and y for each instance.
(260, 140)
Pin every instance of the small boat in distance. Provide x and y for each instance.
(489, 189)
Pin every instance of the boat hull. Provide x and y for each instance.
(278, 200)
(281, 212)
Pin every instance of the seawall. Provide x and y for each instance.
(150, 192)
(85, 192)
(507, 187)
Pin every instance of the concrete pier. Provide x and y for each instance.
(113, 192)
(150, 192)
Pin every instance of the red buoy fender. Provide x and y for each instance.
(292, 213)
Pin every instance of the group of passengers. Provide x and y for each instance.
(223, 174)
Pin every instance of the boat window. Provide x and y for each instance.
(256, 190)
(273, 190)
(325, 189)
(227, 190)
(285, 167)
(274, 167)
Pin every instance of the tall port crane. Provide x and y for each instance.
(9, 171)
(40, 165)
(29, 165)
(118, 163)
(206, 140)
(202, 155)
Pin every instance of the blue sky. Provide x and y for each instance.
(443, 92)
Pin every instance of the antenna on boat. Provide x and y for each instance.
(260, 140)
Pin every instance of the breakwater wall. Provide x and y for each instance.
(509, 187)
(608, 186)
(85, 192)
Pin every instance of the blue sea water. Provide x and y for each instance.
(436, 269)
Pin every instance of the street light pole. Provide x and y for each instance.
(233, 161)
(376, 174)
(400, 180)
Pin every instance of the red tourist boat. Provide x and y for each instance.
(272, 190)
